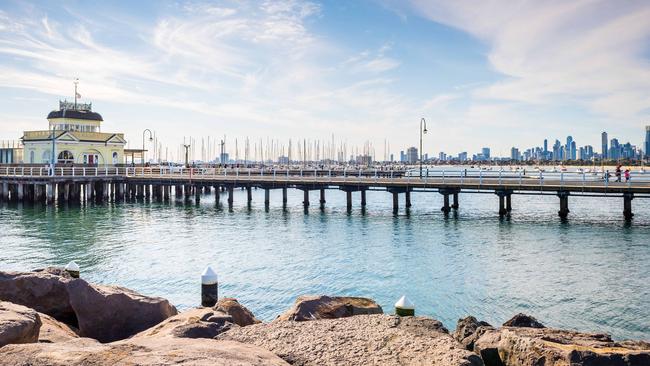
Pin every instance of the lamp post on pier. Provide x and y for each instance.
(423, 123)
(150, 139)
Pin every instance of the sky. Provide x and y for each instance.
(482, 73)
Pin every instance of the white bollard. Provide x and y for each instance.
(209, 287)
(404, 307)
(73, 269)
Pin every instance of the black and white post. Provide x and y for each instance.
(209, 287)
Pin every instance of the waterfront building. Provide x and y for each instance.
(605, 150)
(11, 152)
(402, 157)
(557, 153)
(647, 142)
(462, 156)
(442, 156)
(412, 155)
(74, 136)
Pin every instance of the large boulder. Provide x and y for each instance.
(193, 323)
(513, 346)
(359, 340)
(43, 290)
(523, 321)
(329, 307)
(239, 313)
(110, 313)
(54, 331)
(142, 351)
(18, 324)
(468, 330)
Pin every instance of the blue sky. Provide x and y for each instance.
(489, 73)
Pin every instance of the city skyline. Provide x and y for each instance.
(300, 69)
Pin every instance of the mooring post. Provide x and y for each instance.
(209, 288)
(363, 198)
(249, 194)
(73, 269)
(267, 197)
(284, 196)
(305, 200)
(408, 198)
(627, 205)
(404, 307)
(564, 204)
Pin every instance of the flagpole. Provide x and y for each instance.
(76, 81)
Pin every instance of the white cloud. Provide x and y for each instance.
(553, 52)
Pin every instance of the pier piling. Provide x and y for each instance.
(322, 198)
(564, 204)
(231, 188)
(408, 198)
(627, 206)
(363, 198)
(348, 200)
(305, 200)
(395, 202)
(267, 197)
(284, 196)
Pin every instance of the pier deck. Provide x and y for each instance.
(41, 183)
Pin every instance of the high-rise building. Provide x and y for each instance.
(647, 142)
(545, 146)
(614, 150)
(402, 157)
(557, 151)
(412, 155)
(514, 154)
(462, 156)
(442, 156)
(605, 150)
(486, 153)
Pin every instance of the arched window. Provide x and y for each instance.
(115, 156)
(31, 157)
(65, 157)
(46, 156)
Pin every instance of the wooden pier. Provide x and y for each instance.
(42, 184)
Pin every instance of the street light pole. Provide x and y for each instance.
(52, 160)
(422, 123)
(150, 139)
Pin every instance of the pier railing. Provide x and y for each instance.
(345, 176)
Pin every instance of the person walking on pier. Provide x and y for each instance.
(627, 175)
(618, 173)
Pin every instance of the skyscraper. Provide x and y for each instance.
(486, 153)
(603, 137)
(567, 148)
(412, 155)
(647, 142)
(545, 146)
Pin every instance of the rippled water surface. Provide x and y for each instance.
(591, 273)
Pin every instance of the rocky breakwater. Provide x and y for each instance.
(523, 340)
(105, 313)
(132, 329)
